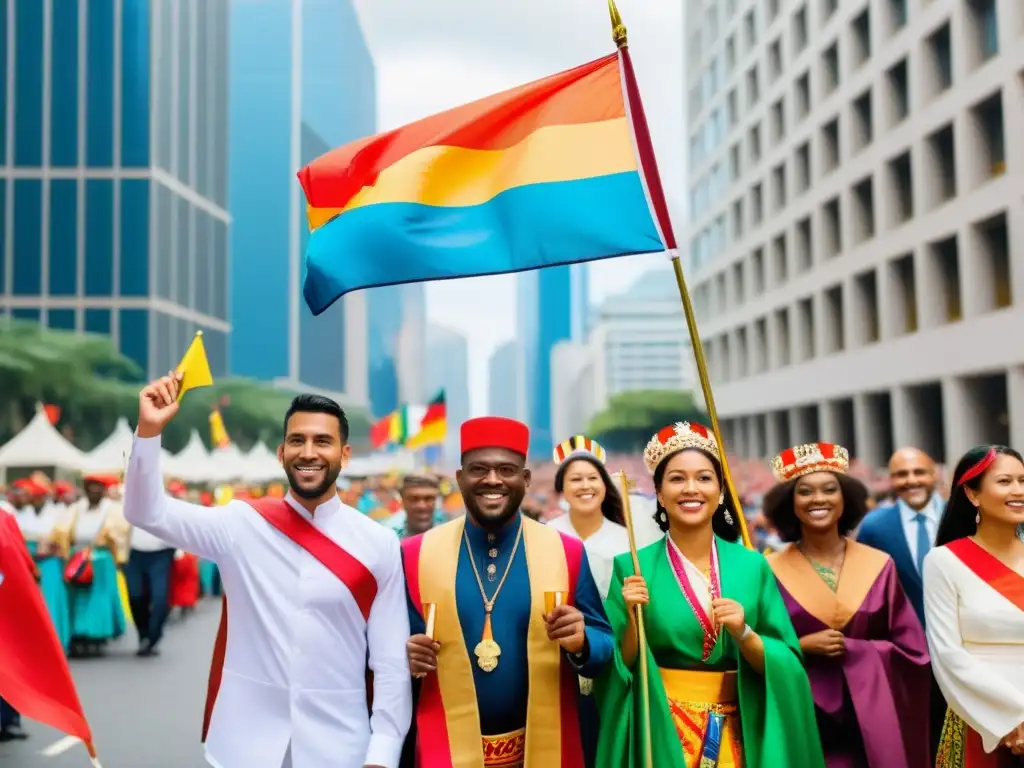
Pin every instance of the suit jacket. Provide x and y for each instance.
(883, 529)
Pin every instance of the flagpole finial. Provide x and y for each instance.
(199, 334)
(618, 28)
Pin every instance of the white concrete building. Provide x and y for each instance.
(856, 247)
(639, 342)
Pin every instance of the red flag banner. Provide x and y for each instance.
(34, 677)
(52, 413)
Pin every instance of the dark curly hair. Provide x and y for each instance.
(958, 519)
(779, 510)
(722, 528)
(611, 507)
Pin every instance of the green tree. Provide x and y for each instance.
(632, 417)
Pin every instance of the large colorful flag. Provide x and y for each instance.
(433, 427)
(34, 675)
(537, 176)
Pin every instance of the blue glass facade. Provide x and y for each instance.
(111, 239)
(302, 83)
(552, 307)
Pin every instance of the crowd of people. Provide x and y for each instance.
(813, 627)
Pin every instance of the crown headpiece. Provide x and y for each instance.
(810, 458)
(578, 445)
(677, 437)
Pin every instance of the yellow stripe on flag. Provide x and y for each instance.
(434, 433)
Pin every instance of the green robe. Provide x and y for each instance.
(776, 710)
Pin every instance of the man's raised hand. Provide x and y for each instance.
(158, 404)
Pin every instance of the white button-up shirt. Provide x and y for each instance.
(294, 669)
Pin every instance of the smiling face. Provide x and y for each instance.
(493, 482)
(583, 488)
(818, 501)
(1001, 493)
(419, 503)
(690, 491)
(912, 474)
(313, 454)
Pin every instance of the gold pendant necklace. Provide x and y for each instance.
(487, 650)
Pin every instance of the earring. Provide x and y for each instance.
(728, 517)
(721, 500)
(977, 517)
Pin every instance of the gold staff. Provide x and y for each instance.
(649, 171)
(645, 696)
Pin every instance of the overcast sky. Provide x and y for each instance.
(437, 54)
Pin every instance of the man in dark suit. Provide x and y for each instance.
(906, 532)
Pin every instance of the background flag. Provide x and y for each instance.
(540, 175)
(218, 432)
(194, 367)
(433, 427)
(34, 675)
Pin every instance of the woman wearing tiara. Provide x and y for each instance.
(595, 517)
(595, 507)
(974, 610)
(726, 685)
(863, 645)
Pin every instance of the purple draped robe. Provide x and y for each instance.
(872, 702)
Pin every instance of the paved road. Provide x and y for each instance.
(145, 713)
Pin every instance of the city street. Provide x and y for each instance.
(145, 713)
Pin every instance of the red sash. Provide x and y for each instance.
(350, 572)
(990, 569)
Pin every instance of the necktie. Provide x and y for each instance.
(923, 541)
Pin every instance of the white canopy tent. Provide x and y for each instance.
(193, 464)
(39, 444)
(261, 465)
(111, 455)
(227, 463)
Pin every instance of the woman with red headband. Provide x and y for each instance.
(974, 606)
(863, 646)
(724, 679)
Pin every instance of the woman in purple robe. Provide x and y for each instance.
(863, 645)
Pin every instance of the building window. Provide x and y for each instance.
(97, 320)
(161, 229)
(830, 146)
(803, 96)
(134, 330)
(904, 279)
(183, 261)
(64, 87)
(99, 94)
(863, 121)
(940, 50)
(220, 273)
(946, 266)
(830, 69)
(28, 241)
(902, 188)
(988, 117)
(863, 210)
(993, 239)
(63, 237)
(135, 78)
(99, 237)
(775, 60)
(799, 30)
(899, 91)
(28, 85)
(163, 31)
(61, 319)
(183, 135)
(897, 14)
(134, 237)
(941, 155)
(982, 17)
(861, 29)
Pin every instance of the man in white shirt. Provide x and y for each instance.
(292, 690)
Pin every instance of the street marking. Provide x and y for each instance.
(61, 746)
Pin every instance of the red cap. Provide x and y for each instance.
(107, 481)
(29, 486)
(495, 432)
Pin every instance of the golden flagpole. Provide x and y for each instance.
(652, 179)
(645, 695)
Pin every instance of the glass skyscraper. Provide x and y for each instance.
(552, 306)
(114, 186)
(302, 83)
